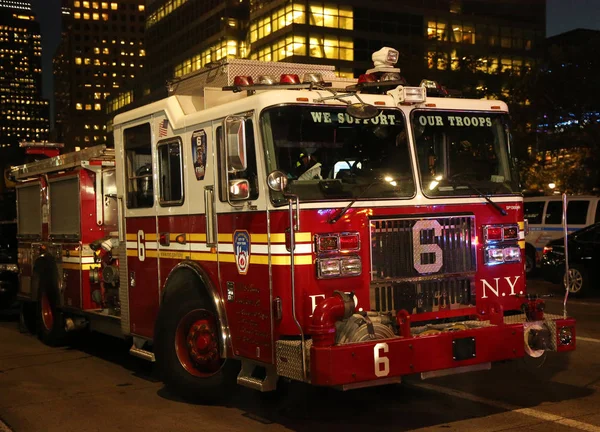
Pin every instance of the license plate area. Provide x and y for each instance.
(463, 349)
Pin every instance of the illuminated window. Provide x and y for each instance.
(344, 73)
(78, 106)
(114, 6)
(105, 51)
(77, 4)
(104, 17)
(163, 11)
(86, 16)
(77, 15)
(331, 47)
(104, 5)
(141, 8)
(331, 16)
(437, 30)
(86, 4)
(94, 5)
(78, 60)
(468, 35)
(437, 60)
(97, 107)
(280, 18)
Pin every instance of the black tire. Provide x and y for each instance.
(50, 319)
(579, 283)
(193, 372)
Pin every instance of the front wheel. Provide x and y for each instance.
(187, 345)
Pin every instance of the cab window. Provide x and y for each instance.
(138, 166)
(250, 173)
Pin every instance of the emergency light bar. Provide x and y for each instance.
(286, 82)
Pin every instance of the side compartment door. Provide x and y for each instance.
(242, 235)
(140, 202)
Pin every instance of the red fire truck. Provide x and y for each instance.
(341, 233)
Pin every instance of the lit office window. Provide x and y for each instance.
(280, 18)
(334, 16)
(331, 47)
(437, 60)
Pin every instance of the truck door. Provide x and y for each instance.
(140, 229)
(242, 237)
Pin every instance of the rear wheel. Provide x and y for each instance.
(187, 345)
(578, 281)
(50, 320)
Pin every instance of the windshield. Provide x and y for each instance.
(328, 155)
(463, 153)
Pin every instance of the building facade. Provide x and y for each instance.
(24, 114)
(101, 50)
(437, 39)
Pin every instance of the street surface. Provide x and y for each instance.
(98, 386)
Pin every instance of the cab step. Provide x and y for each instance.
(137, 350)
(258, 376)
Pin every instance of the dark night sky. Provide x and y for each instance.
(561, 15)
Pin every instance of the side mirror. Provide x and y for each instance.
(239, 190)
(235, 140)
(277, 181)
(362, 111)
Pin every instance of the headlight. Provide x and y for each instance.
(13, 268)
(339, 267)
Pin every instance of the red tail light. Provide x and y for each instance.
(243, 80)
(349, 242)
(289, 79)
(366, 78)
(547, 249)
(493, 233)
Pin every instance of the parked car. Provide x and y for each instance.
(584, 260)
(9, 270)
(544, 216)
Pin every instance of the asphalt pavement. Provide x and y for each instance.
(98, 386)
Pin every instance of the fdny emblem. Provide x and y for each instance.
(241, 248)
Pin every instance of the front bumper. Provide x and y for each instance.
(380, 360)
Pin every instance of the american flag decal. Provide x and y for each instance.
(162, 128)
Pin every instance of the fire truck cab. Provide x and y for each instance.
(342, 233)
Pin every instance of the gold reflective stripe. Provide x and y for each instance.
(75, 266)
(300, 237)
(522, 244)
(521, 226)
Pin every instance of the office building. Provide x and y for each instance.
(23, 111)
(101, 50)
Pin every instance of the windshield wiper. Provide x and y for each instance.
(343, 211)
(482, 195)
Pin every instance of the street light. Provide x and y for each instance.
(551, 185)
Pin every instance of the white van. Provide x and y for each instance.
(544, 215)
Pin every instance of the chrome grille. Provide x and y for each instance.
(425, 296)
(422, 264)
(394, 254)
